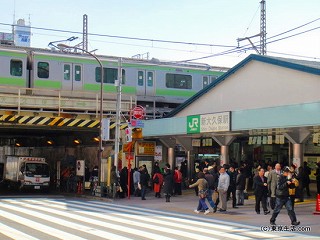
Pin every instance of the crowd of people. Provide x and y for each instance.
(273, 187)
(165, 180)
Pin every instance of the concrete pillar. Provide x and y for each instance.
(297, 137)
(224, 142)
(224, 158)
(298, 154)
(171, 157)
(190, 164)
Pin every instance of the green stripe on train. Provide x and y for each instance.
(128, 65)
(109, 88)
(47, 84)
(13, 54)
(177, 93)
(13, 81)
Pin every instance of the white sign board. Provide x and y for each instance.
(216, 122)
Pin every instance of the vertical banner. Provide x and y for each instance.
(80, 168)
(158, 153)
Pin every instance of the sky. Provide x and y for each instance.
(211, 22)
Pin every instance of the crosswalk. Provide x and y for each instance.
(77, 219)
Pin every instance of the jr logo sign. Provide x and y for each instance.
(193, 124)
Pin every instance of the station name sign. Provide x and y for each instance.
(215, 122)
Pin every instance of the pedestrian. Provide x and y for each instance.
(317, 174)
(210, 179)
(157, 180)
(156, 168)
(144, 181)
(232, 186)
(195, 178)
(272, 184)
(123, 182)
(136, 180)
(167, 182)
(184, 172)
(306, 178)
(261, 192)
(299, 190)
(177, 177)
(282, 198)
(215, 196)
(240, 186)
(202, 185)
(293, 187)
(223, 185)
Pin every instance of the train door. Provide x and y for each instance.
(72, 76)
(146, 83)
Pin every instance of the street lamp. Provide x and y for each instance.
(63, 46)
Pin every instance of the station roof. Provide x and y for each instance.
(311, 67)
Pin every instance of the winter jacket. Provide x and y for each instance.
(201, 183)
(241, 181)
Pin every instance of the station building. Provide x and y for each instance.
(263, 110)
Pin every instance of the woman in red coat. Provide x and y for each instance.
(157, 182)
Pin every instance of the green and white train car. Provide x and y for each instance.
(155, 84)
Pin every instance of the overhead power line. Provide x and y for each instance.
(246, 47)
(126, 38)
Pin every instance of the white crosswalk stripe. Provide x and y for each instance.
(51, 218)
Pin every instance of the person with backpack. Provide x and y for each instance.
(157, 180)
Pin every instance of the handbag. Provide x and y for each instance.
(203, 193)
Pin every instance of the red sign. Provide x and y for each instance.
(138, 112)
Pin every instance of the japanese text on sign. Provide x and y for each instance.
(216, 122)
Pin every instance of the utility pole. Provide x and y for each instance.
(263, 33)
(118, 114)
(85, 33)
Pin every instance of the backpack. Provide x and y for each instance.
(156, 180)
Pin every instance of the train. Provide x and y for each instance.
(159, 86)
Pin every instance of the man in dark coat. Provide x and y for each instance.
(232, 187)
(167, 182)
(261, 191)
(240, 186)
(282, 198)
(144, 180)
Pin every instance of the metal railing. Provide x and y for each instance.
(60, 101)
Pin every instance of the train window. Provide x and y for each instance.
(123, 76)
(150, 79)
(140, 78)
(43, 70)
(178, 81)
(16, 68)
(66, 72)
(109, 75)
(77, 73)
(205, 81)
(213, 78)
